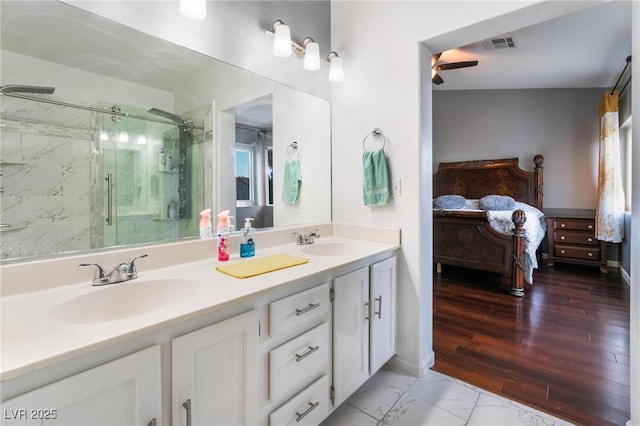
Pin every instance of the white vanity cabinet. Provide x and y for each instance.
(363, 325)
(124, 392)
(298, 350)
(215, 374)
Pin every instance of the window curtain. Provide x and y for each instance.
(610, 208)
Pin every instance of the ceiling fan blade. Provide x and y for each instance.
(436, 79)
(456, 65)
(434, 58)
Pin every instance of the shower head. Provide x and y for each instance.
(19, 88)
(166, 114)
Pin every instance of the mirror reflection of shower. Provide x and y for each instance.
(78, 175)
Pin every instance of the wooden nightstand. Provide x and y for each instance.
(572, 240)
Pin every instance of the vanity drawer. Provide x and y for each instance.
(308, 407)
(299, 309)
(575, 224)
(576, 237)
(298, 361)
(581, 253)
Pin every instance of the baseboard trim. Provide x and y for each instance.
(625, 276)
(411, 368)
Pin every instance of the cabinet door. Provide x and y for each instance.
(215, 374)
(383, 315)
(350, 333)
(122, 392)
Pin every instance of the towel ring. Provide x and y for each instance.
(375, 133)
(292, 149)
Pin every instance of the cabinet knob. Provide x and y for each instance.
(562, 225)
(590, 226)
(562, 237)
(590, 239)
(562, 251)
(590, 254)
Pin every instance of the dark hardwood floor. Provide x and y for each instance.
(563, 348)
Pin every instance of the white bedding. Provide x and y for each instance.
(535, 229)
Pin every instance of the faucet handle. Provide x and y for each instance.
(100, 277)
(133, 272)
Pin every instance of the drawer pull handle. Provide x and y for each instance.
(562, 251)
(187, 406)
(590, 226)
(590, 239)
(311, 407)
(562, 225)
(312, 349)
(562, 237)
(307, 309)
(590, 254)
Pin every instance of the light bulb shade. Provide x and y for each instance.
(336, 70)
(194, 9)
(312, 56)
(282, 41)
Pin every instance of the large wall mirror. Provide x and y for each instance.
(111, 137)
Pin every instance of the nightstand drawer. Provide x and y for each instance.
(582, 253)
(575, 224)
(575, 237)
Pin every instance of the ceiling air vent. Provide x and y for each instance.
(499, 43)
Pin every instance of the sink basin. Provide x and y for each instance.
(124, 300)
(328, 249)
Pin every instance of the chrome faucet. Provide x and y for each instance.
(121, 272)
(303, 239)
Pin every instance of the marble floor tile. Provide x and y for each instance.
(380, 392)
(450, 395)
(347, 415)
(412, 411)
(496, 411)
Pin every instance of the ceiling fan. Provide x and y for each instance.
(435, 78)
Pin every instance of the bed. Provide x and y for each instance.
(466, 238)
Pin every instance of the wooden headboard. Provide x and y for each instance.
(475, 179)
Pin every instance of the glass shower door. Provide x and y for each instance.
(140, 176)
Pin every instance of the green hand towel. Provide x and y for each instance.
(375, 181)
(292, 180)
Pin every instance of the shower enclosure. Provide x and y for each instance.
(79, 175)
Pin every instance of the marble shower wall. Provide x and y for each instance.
(53, 193)
(45, 152)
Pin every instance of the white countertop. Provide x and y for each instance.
(36, 334)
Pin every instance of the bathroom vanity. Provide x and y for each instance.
(286, 347)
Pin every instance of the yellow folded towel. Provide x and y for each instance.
(261, 265)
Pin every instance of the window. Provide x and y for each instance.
(625, 152)
(245, 181)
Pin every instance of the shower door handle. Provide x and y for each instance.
(109, 180)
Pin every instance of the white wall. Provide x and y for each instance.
(560, 124)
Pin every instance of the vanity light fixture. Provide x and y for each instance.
(282, 39)
(308, 50)
(336, 70)
(194, 9)
(311, 54)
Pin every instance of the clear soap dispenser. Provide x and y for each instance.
(247, 247)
